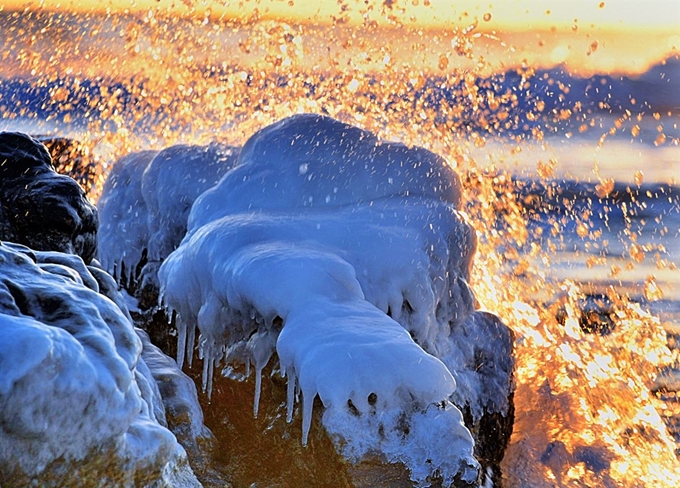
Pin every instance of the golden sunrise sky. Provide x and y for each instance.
(520, 15)
(586, 36)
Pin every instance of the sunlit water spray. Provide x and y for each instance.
(586, 413)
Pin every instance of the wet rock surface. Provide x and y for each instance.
(41, 208)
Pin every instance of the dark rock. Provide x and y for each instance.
(494, 364)
(40, 208)
(596, 312)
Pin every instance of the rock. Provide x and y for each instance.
(144, 209)
(145, 205)
(78, 405)
(178, 407)
(346, 259)
(41, 208)
(490, 415)
(123, 227)
(595, 312)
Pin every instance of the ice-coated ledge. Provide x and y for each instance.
(78, 405)
(146, 200)
(347, 257)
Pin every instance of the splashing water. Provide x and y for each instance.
(586, 413)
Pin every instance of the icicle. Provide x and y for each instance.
(181, 341)
(204, 378)
(191, 338)
(119, 275)
(290, 396)
(307, 406)
(211, 369)
(208, 369)
(258, 389)
(395, 305)
(130, 274)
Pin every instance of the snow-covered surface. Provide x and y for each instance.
(72, 384)
(336, 250)
(146, 200)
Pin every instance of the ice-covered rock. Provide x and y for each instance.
(123, 229)
(41, 208)
(347, 257)
(175, 396)
(146, 200)
(143, 211)
(78, 406)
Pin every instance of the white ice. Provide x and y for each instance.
(72, 383)
(123, 231)
(146, 200)
(347, 257)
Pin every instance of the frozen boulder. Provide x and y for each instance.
(41, 208)
(345, 258)
(78, 405)
(123, 228)
(143, 211)
(145, 205)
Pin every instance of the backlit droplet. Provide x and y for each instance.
(652, 291)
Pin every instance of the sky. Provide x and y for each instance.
(625, 15)
(586, 36)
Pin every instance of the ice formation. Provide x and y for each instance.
(123, 231)
(77, 404)
(146, 200)
(346, 255)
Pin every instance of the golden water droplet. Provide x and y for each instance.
(605, 187)
(443, 62)
(487, 17)
(636, 253)
(660, 139)
(652, 291)
(639, 177)
(546, 170)
(582, 229)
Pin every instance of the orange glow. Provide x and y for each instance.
(519, 15)
(587, 36)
